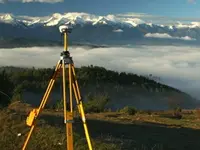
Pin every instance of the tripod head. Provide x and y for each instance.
(65, 29)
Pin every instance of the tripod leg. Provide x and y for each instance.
(52, 81)
(31, 120)
(67, 115)
(80, 106)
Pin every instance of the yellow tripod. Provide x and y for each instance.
(65, 59)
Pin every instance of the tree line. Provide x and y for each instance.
(14, 80)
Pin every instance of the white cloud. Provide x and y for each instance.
(3, 1)
(167, 36)
(186, 38)
(133, 14)
(158, 35)
(177, 66)
(157, 19)
(43, 1)
(29, 1)
(118, 30)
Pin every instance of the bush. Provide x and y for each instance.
(149, 112)
(177, 113)
(6, 89)
(198, 113)
(129, 110)
(17, 93)
(96, 103)
(59, 105)
(107, 110)
(178, 109)
(17, 97)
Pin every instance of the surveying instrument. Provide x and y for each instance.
(65, 59)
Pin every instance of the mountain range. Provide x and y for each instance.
(88, 28)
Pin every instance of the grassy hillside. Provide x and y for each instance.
(157, 130)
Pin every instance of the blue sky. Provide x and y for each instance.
(170, 8)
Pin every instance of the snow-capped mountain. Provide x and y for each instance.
(73, 18)
(90, 28)
(85, 18)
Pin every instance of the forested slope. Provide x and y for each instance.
(122, 88)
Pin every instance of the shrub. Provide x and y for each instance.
(198, 113)
(96, 103)
(17, 97)
(149, 112)
(177, 113)
(107, 110)
(17, 93)
(178, 109)
(59, 105)
(129, 110)
(6, 89)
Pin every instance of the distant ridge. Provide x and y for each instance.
(91, 28)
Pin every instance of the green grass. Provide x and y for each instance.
(108, 130)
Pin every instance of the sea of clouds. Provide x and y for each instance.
(177, 66)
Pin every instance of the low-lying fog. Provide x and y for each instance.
(177, 66)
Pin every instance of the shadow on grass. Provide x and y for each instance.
(147, 135)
